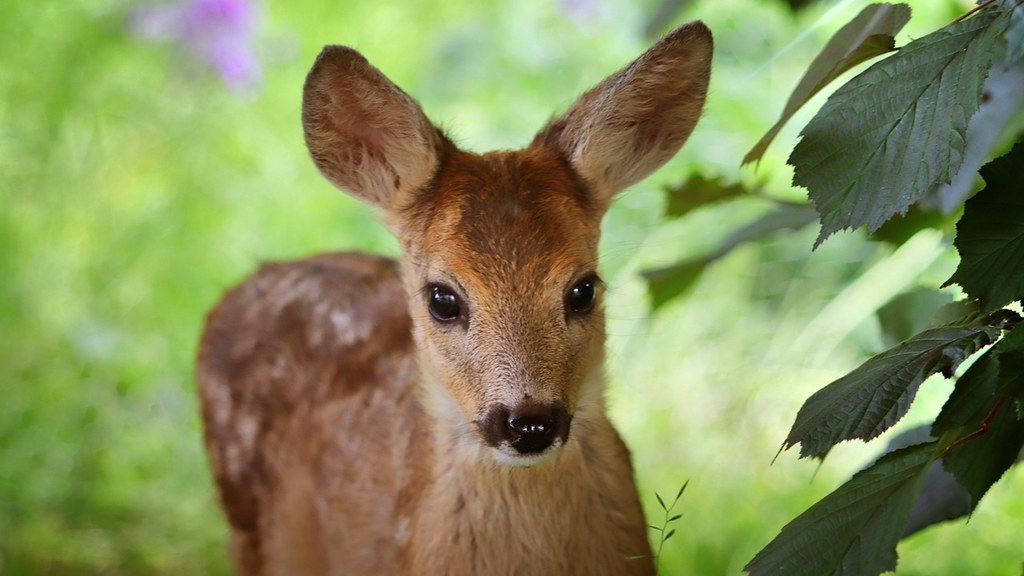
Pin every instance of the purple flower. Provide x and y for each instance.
(580, 11)
(218, 33)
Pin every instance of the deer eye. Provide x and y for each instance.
(580, 298)
(442, 303)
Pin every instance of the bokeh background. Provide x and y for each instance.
(151, 155)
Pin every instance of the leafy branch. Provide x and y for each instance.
(893, 137)
(903, 143)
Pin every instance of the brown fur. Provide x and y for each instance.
(344, 423)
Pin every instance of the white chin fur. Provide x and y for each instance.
(507, 455)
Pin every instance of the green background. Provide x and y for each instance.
(135, 187)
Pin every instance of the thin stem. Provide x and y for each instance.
(980, 431)
(974, 10)
(661, 542)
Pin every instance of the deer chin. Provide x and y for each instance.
(506, 455)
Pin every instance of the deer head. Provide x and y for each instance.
(500, 249)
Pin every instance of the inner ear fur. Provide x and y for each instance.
(629, 125)
(365, 135)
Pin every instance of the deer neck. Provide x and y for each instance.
(472, 502)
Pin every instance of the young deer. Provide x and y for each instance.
(445, 414)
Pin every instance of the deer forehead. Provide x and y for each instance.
(506, 219)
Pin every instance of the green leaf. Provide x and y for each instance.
(1015, 36)
(980, 463)
(989, 430)
(902, 227)
(909, 313)
(855, 529)
(1002, 102)
(972, 399)
(664, 284)
(1011, 359)
(680, 493)
(981, 412)
(887, 137)
(990, 235)
(699, 191)
(871, 33)
(873, 397)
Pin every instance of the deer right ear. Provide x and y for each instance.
(634, 121)
(366, 135)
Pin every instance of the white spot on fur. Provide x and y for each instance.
(346, 328)
(247, 427)
(402, 530)
(219, 397)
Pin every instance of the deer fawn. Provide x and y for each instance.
(444, 414)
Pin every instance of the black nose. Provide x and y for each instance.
(528, 428)
(531, 431)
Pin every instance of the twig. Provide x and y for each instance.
(973, 11)
(980, 431)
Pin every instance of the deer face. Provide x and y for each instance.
(505, 296)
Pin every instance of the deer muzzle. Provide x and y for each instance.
(526, 430)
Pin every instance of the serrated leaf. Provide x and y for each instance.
(972, 399)
(1002, 101)
(855, 529)
(1015, 36)
(990, 235)
(897, 130)
(664, 284)
(981, 462)
(1011, 359)
(698, 191)
(985, 421)
(874, 396)
(941, 498)
(871, 33)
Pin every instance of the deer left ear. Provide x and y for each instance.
(629, 125)
(365, 135)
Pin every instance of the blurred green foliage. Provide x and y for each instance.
(136, 186)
